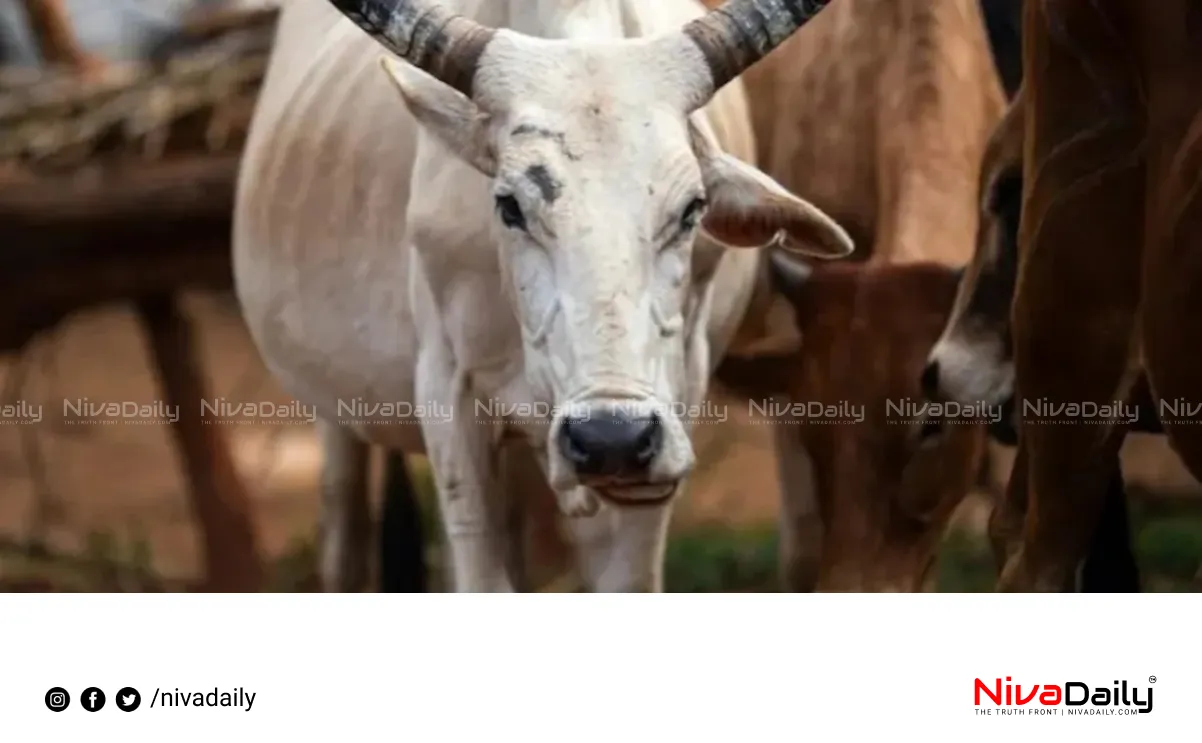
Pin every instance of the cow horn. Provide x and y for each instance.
(425, 34)
(739, 33)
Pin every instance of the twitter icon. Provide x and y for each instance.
(128, 699)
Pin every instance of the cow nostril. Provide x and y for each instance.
(573, 446)
(929, 381)
(649, 441)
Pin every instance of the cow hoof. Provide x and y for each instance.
(579, 502)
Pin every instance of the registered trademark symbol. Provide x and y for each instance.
(1151, 679)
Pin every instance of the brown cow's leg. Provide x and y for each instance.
(1111, 565)
(1078, 285)
(219, 499)
(800, 517)
(1173, 262)
(1005, 526)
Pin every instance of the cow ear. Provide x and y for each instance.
(747, 209)
(444, 112)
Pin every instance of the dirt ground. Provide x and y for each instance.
(124, 482)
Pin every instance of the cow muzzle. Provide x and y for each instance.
(629, 453)
(969, 373)
(611, 446)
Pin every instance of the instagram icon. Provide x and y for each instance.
(57, 699)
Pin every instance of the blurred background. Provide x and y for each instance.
(117, 156)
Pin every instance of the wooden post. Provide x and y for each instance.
(219, 499)
(56, 39)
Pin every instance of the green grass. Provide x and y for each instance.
(712, 560)
(964, 565)
(1170, 550)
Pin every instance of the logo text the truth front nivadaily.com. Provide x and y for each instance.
(1070, 697)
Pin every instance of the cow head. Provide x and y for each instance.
(602, 180)
(972, 362)
(885, 490)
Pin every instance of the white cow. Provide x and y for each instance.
(535, 211)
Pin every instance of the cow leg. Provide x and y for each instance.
(401, 542)
(1110, 566)
(1078, 284)
(1066, 502)
(622, 550)
(345, 519)
(538, 554)
(463, 456)
(1005, 527)
(800, 519)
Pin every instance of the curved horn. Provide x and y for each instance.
(425, 34)
(739, 33)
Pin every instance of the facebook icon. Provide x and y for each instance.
(92, 699)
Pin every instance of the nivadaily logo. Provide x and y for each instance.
(1070, 698)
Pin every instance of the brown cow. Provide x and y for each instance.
(879, 111)
(973, 361)
(1109, 243)
(885, 491)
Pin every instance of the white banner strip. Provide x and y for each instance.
(578, 667)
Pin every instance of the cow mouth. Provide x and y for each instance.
(637, 496)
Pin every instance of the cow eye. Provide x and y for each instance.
(692, 213)
(511, 212)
